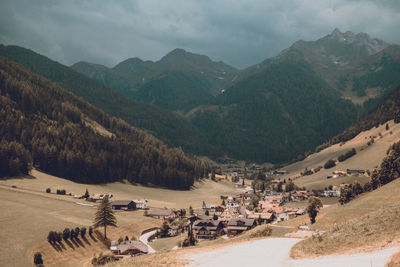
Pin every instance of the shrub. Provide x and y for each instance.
(265, 231)
(37, 258)
(48, 190)
(103, 259)
(329, 164)
(347, 155)
(61, 192)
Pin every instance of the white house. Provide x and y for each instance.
(141, 204)
(232, 205)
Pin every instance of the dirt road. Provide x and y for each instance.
(275, 252)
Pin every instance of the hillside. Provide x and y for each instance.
(275, 115)
(368, 157)
(45, 126)
(370, 220)
(269, 98)
(385, 111)
(28, 205)
(169, 127)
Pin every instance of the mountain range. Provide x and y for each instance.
(270, 112)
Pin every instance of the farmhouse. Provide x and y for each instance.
(129, 247)
(265, 217)
(355, 172)
(141, 203)
(123, 205)
(281, 215)
(274, 199)
(232, 205)
(332, 193)
(100, 197)
(237, 226)
(163, 213)
(300, 195)
(208, 206)
(207, 229)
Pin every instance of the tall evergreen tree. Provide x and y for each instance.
(105, 216)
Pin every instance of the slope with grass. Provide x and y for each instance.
(28, 214)
(367, 157)
(368, 222)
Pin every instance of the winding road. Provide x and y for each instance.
(145, 239)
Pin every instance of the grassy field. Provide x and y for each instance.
(371, 220)
(28, 214)
(367, 157)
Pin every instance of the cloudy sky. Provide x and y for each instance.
(240, 33)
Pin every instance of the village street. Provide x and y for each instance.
(275, 252)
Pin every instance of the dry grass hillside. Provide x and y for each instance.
(369, 221)
(367, 157)
(28, 214)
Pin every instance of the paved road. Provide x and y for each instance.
(145, 237)
(275, 252)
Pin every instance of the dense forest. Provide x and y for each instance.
(277, 114)
(171, 128)
(44, 126)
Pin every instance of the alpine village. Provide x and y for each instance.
(187, 161)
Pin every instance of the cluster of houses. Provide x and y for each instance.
(348, 172)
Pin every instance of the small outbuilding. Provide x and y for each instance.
(123, 205)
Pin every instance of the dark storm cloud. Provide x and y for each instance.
(240, 33)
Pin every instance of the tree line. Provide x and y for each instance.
(43, 126)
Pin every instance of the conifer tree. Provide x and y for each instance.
(104, 216)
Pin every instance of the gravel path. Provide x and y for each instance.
(275, 252)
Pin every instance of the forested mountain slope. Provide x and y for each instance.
(387, 110)
(275, 115)
(43, 125)
(169, 127)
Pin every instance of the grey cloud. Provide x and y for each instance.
(240, 33)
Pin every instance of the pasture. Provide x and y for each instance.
(28, 213)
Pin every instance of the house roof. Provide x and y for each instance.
(207, 223)
(132, 244)
(236, 227)
(247, 222)
(121, 202)
(141, 201)
(262, 215)
(161, 212)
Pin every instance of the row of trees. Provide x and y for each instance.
(43, 126)
(54, 236)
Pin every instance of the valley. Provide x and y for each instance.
(29, 207)
(186, 160)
